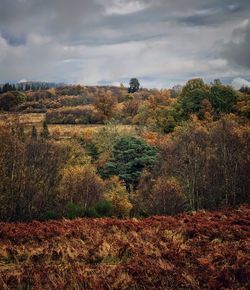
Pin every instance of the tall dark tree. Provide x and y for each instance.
(222, 98)
(34, 133)
(134, 85)
(193, 93)
(130, 156)
(45, 131)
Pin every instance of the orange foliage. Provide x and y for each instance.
(192, 251)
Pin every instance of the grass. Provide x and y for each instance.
(58, 130)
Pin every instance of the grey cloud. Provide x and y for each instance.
(92, 40)
(237, 52)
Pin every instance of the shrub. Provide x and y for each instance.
(74, 210)
(103, 208)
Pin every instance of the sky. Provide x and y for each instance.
(96, 42)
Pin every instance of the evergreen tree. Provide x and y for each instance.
(45, 132)
(134, 85)
(34, 133)
(130, 156)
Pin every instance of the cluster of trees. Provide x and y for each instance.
(42, 178)
(159, 110)
(190, 152)
(201, 165)
(27, 86)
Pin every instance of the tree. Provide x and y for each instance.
(34, 133)
(118, 196)
(81, 185)
(134, 85)
(192, 85)
(211, 160)
(130, 156)
(29, 173)
(222, 98)
(45, 132)
(9, 100)
(193, 93)
(105, 104)
(168, 197)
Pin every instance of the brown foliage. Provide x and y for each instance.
(29, 173)
(105, 104)
(81, 185)
(192, 251)
(211, 160)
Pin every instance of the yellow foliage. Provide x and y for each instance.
(119, 197)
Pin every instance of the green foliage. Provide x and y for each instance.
(193, 84)
(74, 210)
(130, 156)
(21, 97)
(105, 138)
(90, 212)
(103, 208)
(92, 150)
(134, 85)
(193, 93)
(50, 215)
(222, 98)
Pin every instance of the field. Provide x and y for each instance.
(203, 250)
(56, 130)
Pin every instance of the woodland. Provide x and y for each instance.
(124, 187)
(122, 152)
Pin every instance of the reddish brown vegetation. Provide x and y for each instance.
(192, 251)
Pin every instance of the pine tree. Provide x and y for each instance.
(34, 133)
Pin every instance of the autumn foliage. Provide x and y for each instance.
(200, 250)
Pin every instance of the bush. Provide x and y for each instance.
(50, 215)
(74, 115)
(74, 210)
(103, 208)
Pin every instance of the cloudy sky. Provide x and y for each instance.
(161, 42)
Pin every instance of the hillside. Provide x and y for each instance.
(202, 250)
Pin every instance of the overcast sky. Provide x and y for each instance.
(161, 42)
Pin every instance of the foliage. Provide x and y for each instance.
(103, 208)
(222, 98)
(134, 85)
(105, 104)
(30, 171)
(203, 250)
(74, 210)
(118, 196)
(74, 115)
(192, 95)
(81, 185)
(211, 160)
(9, 100)
(168, 196)
(130, 156)
(45, 132)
